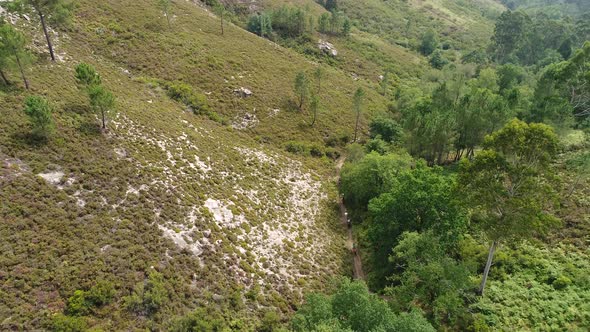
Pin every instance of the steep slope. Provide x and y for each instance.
(194, 51)
(233, 222)
(464, 25)
(229, 221)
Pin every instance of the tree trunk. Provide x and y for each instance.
(356, 127)
(315, 114)
(486, 271)
(6, 81)
(44, 25)
(22, 72)
(104, 122)
(168, 20)
(222, 23)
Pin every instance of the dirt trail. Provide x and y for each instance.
(357, 263)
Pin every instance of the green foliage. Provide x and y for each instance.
(58, 12)
(371, 176)
(82, 302)
(561, 91)
(200, 320)
(185, 94)
(331, 5)
(165, 7)
(100, 294)
(87, 76)
(528, 38)
(63, 323)
(270, 322)
(260, 24)
(12, 51)
(387, 128)
(289, 21)
(346, 26)
(78, 305)
(301, 88)
(429, 43)
(437, 60)
(148, 296)
(102, 102)
(285, 21)
(430, 125)
(353, 308)
(481, 111)
(507, 182)
(309, 149)
(324, 23)
(39, 112)
(378, 145)
(428, 278)
(421, 199)
(547, 289)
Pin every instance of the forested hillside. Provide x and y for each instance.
(231, 165)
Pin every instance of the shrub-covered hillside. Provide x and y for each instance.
(174, 165)
(188, 198)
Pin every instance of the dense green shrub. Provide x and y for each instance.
(63, 323)
(420, 199)
(200, 320)
(371, 176)
(78, 304)
(353, 308)
(39, 112)
(378, 145)
(429, 43)
(389, 130)
(185, 94)
(82, 302)
(430, 279)
(148, 296)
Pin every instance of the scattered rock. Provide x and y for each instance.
(125, 71)
(243, 92)
(121, 153)
(52, 177)
(327, 48)
(248, 120)
(274, 112)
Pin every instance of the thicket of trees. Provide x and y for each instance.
(288, 22)
(494, 123)
(536, 40)
(415, 217)
(353, 308)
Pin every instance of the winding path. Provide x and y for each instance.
(357, 263)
